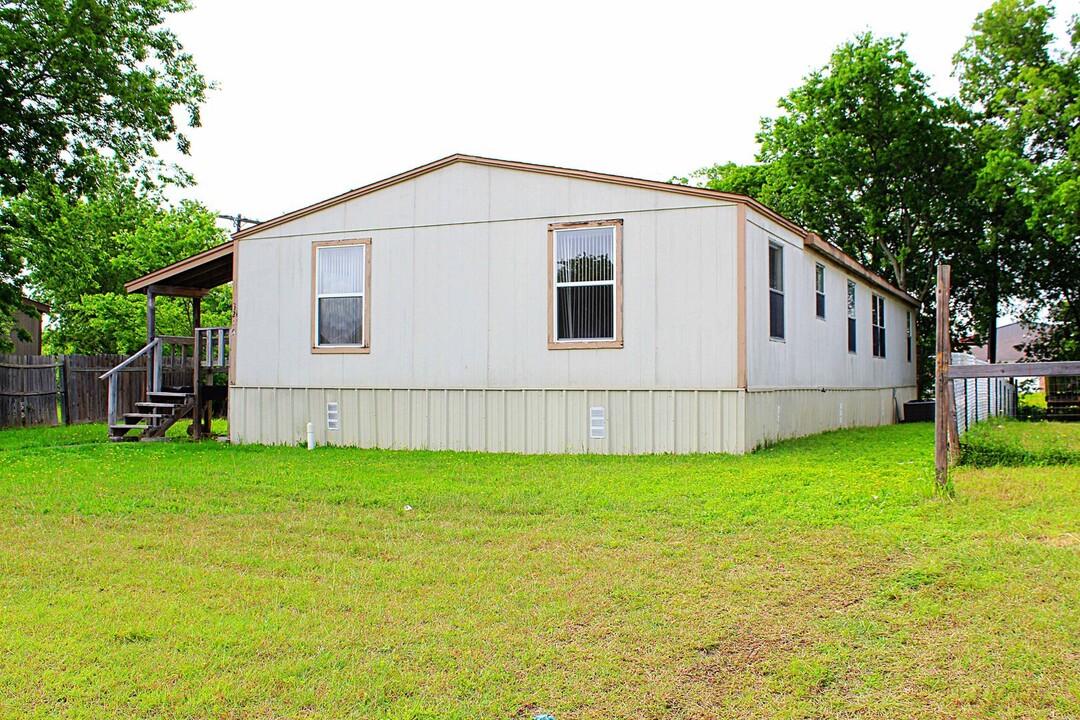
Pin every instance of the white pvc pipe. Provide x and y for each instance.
(311, 436)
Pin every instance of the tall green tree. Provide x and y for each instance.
(1021, 100)
(81, 79)
(84, 248)
(865, 155)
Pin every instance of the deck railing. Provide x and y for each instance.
(212, 347)
(165, 352)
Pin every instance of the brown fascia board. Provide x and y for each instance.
(526, 167)
(39, 306)
(160, 276)
(820, 245)
(817, 244)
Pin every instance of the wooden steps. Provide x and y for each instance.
(153, 417)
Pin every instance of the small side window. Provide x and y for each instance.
(877, 321)
(851, 345)
(776, 291)
(909, 336)
(819, 287)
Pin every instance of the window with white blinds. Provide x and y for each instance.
(585, 284)
(341, 295)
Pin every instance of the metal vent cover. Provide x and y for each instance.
(333, 417)
(597, 423)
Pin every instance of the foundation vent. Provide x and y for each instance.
(597, 423)
(333, 417)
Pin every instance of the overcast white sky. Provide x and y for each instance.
(319, 97)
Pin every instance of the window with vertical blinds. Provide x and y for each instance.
(341, 295)
(585, 271)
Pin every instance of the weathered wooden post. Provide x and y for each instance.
(65, 385)
(196, 375)
(942, 393)
(151, 333)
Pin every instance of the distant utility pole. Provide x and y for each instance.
(238, 220)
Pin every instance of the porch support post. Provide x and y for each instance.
(151, 316)
(196, 379)
(196, 314)
(941, 378)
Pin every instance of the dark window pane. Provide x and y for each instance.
(341, 321)
(776, 268)
(879, 342)
(851, 334)
(776, 314)
(586, 312)
(821, 305)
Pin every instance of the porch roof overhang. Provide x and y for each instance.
(190, 277)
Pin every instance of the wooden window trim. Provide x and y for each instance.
(317, 349)
(617, 343)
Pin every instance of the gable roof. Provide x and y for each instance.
(812, 241)
(525, 167)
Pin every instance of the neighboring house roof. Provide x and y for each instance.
(812, 241)
(39, 306)
(1008, 337)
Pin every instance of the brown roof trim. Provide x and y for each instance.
(817, 244)
(161, 276)
(526, 167)
(39, 306)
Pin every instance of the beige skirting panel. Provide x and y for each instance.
(778, 414)
(519, 421)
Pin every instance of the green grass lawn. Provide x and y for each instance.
(818, 578)
(1002, 441)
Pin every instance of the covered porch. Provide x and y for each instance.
(179, 371)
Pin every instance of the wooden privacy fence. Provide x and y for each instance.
(28, 390)
(44, 389)
(85, 398)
